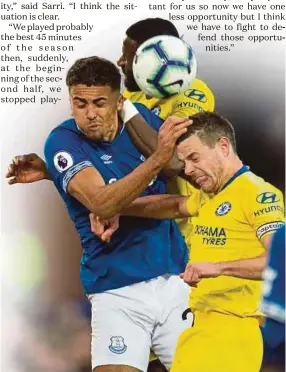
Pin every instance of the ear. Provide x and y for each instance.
(71, 106)
(225, 146)
(70, 101)
(120, 102)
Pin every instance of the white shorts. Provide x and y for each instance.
(128, 321)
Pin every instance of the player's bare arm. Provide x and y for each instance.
(154, 206)
(249, 268)
(31, 168)
(105, 201)
(27, 169)
(145, 139)
(159, 207)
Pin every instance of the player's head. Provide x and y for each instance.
(94, 90)
(135, 36)
(208, 149)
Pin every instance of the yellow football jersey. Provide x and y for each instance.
(228, 227)
(196, 99)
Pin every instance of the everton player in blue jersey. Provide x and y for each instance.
(273, 304)
(137, 298)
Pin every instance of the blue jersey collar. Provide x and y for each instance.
(242, 170)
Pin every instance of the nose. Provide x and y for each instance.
(189, 168)
(91, 113)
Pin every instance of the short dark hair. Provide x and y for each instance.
(150, 27)
(210, 127)
(94, 71)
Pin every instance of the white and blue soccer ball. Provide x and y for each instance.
(164, 65)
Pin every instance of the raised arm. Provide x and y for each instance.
(145, 137)
(31, 168)
(105, 201)
(88, 187)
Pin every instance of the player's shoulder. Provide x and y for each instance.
(138, 96)
(198, 92)
(63, 133)
(126, 94)
(257, 183)
(152, 119)
(201, 85)
(65, 126)
(143, 109)
(263, 191)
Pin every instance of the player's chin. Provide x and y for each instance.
(95, 135)
(207, 186)
(204, 182)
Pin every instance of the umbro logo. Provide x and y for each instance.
(106, 159)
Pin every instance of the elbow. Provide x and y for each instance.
(108, 214)
(258, 271)
(257, 274)
(99, 202)
(104, 209)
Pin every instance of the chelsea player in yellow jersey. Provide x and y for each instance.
(234, 215)
(197, 98)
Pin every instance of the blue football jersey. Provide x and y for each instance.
(141, 248)
(273, 301)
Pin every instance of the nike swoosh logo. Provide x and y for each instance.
(180, 82)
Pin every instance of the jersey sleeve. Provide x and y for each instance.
(196, 99)
(153, 120)
(264, 209)
(65, 157)
(195, 202)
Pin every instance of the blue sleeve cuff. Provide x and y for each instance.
(73, 171)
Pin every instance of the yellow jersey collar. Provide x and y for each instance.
(242, 170)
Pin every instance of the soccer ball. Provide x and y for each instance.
(164, 65)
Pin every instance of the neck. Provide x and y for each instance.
(114, 129)
(229, 171)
